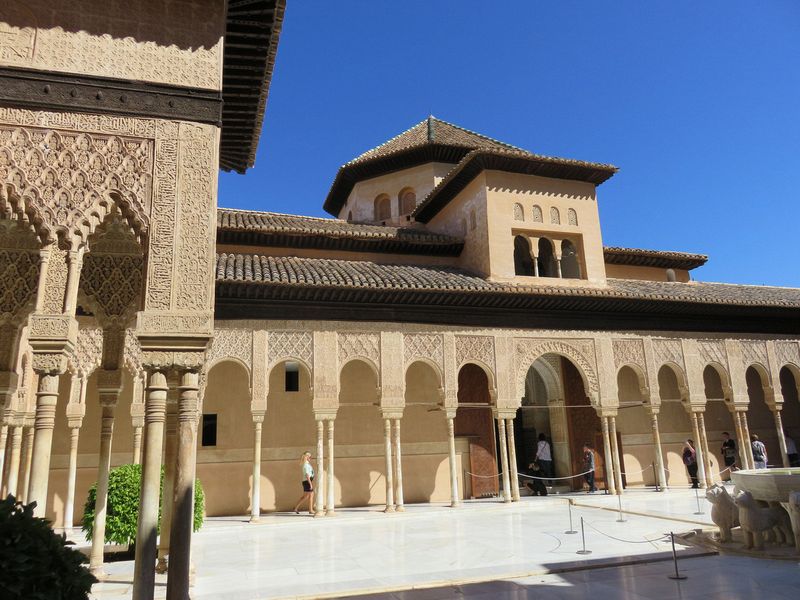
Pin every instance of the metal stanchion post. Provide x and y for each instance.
(677, 575)
(619, 503)
(583, 540)
(697, 497)
(569, 506)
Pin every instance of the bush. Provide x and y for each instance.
(35, 562)
(122, 512)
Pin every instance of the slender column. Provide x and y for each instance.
(27, 458)
(72, 475)
(398, 469)
(145, 567)
(512, 459)
(137, 445)
(451, 438)
(740, 439)
(609, 461)
(331, 504)
(660, 474)
(13, 460)
(75, 262)
(558, 266)
(46, 400)
(612, 424)
(319, 475)
(781, 438)
(699, 455)
(182, 511)
(255, 500)
(167, 496)
(706, 454)
(747, 445)
(501, 429)
(387, 444)
(3, 443)
(44, 258)
(108, 402)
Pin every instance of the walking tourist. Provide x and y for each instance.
(759, 452)
(535, 483)
(308, 484)
(728, 453)
(690, 460)
(544, 456)
(588, 467)
(791, 451)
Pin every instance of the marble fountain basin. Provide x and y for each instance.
(769, 485)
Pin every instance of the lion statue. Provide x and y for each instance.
(756, 520)
(794, 513)
(724, 512)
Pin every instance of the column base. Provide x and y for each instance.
(400, 509)
(98, 572)
(319, 513)
(255, 518)
(455, 504)
(389, 509)
(330, 513)
(161, 566)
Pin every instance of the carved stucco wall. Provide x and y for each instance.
(164, 41)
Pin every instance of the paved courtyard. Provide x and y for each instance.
(483, 550)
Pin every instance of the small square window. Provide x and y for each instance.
(292, 377)
(209, 437)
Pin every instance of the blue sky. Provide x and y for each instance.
(697, 103)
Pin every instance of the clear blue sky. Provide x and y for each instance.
(697, 103)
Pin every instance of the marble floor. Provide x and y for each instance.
(363, 551)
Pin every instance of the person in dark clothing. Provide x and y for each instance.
(690, 460)
(588, 467)
(728, 453)
(536, 486)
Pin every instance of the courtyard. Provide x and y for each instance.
(485, 549)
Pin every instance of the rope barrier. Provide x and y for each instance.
(637, 472)
(644, 541)
(484, 476)
(552, 478)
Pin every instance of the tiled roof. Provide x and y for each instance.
(432, 130)
(653, 258)
(287, 272)
(268, 228)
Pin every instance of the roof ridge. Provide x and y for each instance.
(632, 249)
(480, 135)
(280, 214)
(390, 140)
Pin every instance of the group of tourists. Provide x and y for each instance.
(541, 469)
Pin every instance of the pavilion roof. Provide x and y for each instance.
(653, 258)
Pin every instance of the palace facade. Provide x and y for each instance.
(460, 303)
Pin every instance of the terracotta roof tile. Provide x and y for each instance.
(653, 258)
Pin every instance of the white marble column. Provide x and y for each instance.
(612, 424)
(609, 461)
(748, 446)
(781, 437)
(155, 413)
(3, 444)
(398, 469)
(329, 480)
(137, 444)
(451, 439)
(27, 459)
(699, 455)
(740, 440)
(108, 403)
(178, 581)
(168, 486)
(660, 474)
(319, 476)
(387, 442)
(15, 448)
(72, 474)
(706, 454)
(512, 460)
(255, 496)
(46, 401)
(501, 429)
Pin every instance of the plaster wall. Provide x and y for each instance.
(644, 273)
(361, 202)
(506, 189)
(176, 42)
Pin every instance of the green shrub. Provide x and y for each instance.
(35, 562)
(122, 512)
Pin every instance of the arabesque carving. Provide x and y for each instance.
(87, 353)
(668, 351)
(132, 354)
(19, 278)
(755, 351)
(713, 351)
(231, 343)
(423, 345)
(629, 352)
(580, 352)
(787, 352)
(475, 347)
(282, 345)
(360, 345)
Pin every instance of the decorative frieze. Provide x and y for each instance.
(428, 346)
(87, 353)
(668, 351)
(360, 345)
(628, 352)
(475, 348)
(231, 343)
(754, 351)
(580, 352)
(787, 352)
(713, 351)
(283, 345)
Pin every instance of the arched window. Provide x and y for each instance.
(473, 221)
(570, 266)
(523, 262)
(383, 208)
(519, 214)
(555, 216)
(547, 259)
(537, 213)
(572, 217)
(406, 201)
